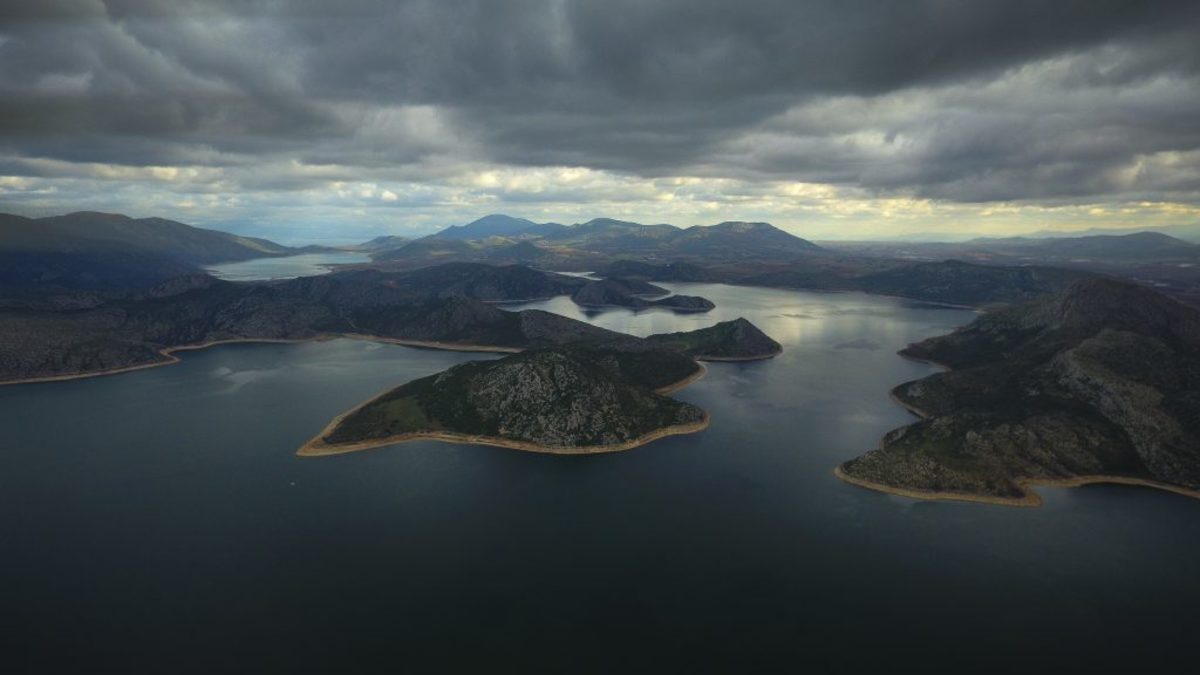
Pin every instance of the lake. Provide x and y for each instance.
(290, 267)
(158, 520)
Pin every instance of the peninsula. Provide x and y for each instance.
(1097, 384)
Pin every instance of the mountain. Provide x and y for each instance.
(732, 239)
(184, 243)
(383, 243)
(103, 251)
(565, 400)
(1099, 383)
(963, 283)
(495, 225)
(521, 251)
(1135, 246)
(429, 250)
(488, 282)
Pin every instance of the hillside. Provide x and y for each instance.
(96, 335)
(103, 251)
(488, 282)
(1099, 382)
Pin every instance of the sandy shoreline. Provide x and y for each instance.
(1030, 498)
(317, 447)
(169, 358)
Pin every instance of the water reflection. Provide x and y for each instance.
(306, 265)
(149, 516)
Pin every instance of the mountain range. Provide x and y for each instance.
(93, 250)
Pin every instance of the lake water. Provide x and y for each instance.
(159, 520)
(306, 265)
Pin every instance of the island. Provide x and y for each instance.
(636, 294)
(562, 401)
(588, 397)
(1099, 384)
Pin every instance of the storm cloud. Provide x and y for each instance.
(472, 105)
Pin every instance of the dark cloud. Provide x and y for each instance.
(962, 101)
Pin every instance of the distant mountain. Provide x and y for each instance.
(964, 283)
(546, 230)
(431, 249)
(521, 251)
(89, 250)
(1136, 246)
(1099, 383)
(495, 225)
(739, 239)
(383, 243)
(730, 240)
(184, 243)
(608, 229)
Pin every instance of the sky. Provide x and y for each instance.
(321, 121)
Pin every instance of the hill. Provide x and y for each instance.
(382, 243)
(104, 251)
(487, 282)
(564, 400)
(737, 340)
(1099, 383)
(495, 225)
(95, 335)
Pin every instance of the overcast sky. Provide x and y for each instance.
(831, 119)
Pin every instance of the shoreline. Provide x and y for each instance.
(920, 414)
(169, 358)
(735, 359)
(676, 386)
(317, 447)
(1030, 498)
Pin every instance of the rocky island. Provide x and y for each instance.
(1099, 384)
(636, 294)
(561, 400)
(596, 395)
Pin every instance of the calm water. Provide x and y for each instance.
(159, 520)
(307, 265)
